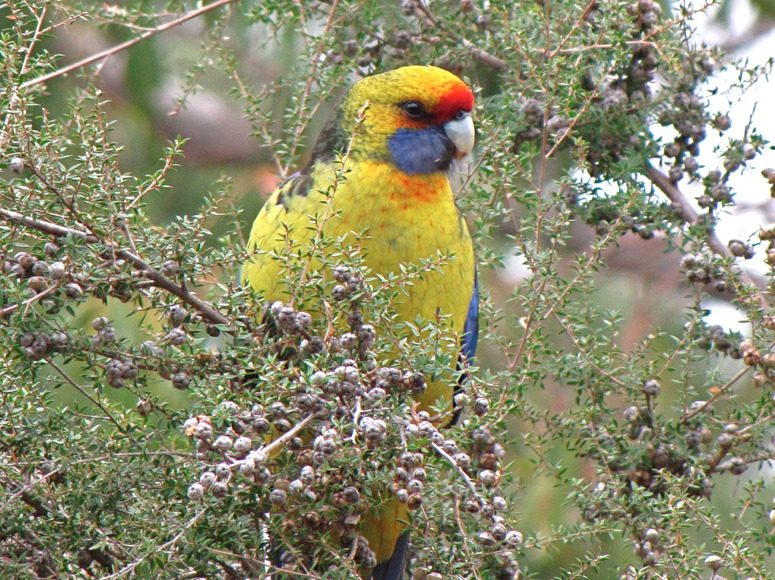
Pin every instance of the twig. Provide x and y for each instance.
(81, 390)
(6, 311)
(34, 40)
(485, 57)
(124, 45)
(24, 493)
(288, 434)
(171, 543)
(685, 419)
(154, 182)
(691, 217)
(457, 468)
(479, 53)
(160, 281)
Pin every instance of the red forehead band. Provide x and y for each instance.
(459, 98)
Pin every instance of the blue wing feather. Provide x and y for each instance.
(471, 327)
(468, 343)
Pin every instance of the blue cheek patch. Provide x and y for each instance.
(421, 151)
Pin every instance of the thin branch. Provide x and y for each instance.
(81, 390)
(289, 434)
(35, 37)
(721, 391)
(171, 543)
(691, 217)
(209, 313)
(124, 45)
(456, 467)
(478, 53)
(24, 494)
(7, 310)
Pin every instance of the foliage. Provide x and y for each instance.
(159, 420)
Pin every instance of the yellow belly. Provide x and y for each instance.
(398, 221)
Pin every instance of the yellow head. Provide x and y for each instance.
(418, 118)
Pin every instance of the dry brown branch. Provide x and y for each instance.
(159, 280)
(124, 45)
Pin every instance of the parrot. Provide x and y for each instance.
(403, 131)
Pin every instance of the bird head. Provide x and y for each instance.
(417, 117)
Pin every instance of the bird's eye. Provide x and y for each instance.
(414, 109)
(461, 114)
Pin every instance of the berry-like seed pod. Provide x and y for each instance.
(725, 440)
(450, 446)
(415, 383)
(402, 495)
(355, 319)
(367, 335)
(203, 431)
(259, 457)
(481, 406)
(737, 466)
(296, 487)
(196, 491)
(242, 445)
(341, 273)
(278, 497)
(419, 474)
(261, 426)
(180, 381)
(499, 503)
(51, 249)
(37, 283)
(737, 248)
(675, 173)
(488, 477)
(304, 319)
(176, 337)
(463, 460)
(169, 268)
(339, 292)
(144, 407)
(722, 122)
(414, 486)
(220, 489)
(73, 290)
(414, 502)
(514, 538)
(307, 474)
(631, 413)
(223, 471)
(247, 467)
(486, 539)
(40, 268)
(498, 532)
(714, 562)
(651, 388)
(16, 164)
(377, 394)
(351, 494)
(177, 314)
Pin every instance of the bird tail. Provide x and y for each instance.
(393, 568)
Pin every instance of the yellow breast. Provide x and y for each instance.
(398, 220)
